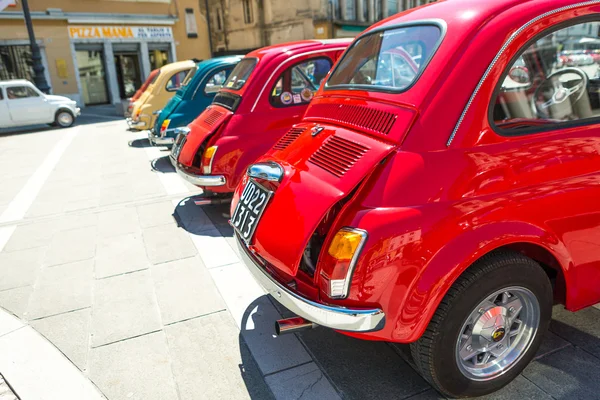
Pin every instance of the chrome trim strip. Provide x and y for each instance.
(501, 52)
(335, 317)
(287, 62)
(269, 171)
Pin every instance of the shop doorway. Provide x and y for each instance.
(92, 75)
(128, 73)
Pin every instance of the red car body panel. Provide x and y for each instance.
(432, 206)
(256, 125)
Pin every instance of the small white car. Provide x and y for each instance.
(21, 103)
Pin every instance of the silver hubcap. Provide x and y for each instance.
(497, 333)
(65, 119)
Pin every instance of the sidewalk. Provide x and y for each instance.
(144, 294)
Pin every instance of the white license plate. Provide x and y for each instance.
(249, 209)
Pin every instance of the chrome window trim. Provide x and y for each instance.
(286, 62)
(501, 52)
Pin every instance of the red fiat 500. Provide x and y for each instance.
(448, 206)
(266, 93)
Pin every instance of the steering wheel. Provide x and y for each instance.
(560, 93)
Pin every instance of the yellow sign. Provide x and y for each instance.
(120, 32)
(61, 68)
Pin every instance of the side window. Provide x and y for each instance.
(555, 81)
(176, 81)
(1, 94)
(20, 92)
(216, 81)
(297, 84)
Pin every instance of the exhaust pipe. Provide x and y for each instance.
(292, 325)
(208, 200)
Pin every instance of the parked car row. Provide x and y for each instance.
(432, 182)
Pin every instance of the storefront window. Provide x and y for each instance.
(92, 76)
(158, 58)
(15, 63)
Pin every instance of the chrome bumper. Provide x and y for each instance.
(199, 180)
(335, 317)
(77, 111)
(160, 141)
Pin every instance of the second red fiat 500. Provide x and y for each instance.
(265, 95)
(446, 206)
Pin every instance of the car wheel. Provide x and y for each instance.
(64, 118)
(487, 328)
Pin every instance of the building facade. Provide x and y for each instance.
(99, 51)
(238, 26)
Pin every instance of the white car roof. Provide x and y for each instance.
(16, 81)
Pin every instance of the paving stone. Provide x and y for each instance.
(185, 289)
(71, 245)
(124, 306)
(134, 369)
(118, 222)
(61, 288)
(211, 361)
(156, 214)
(31, 235)
(6, 393)
(76, 221)
(213, 248)
(430, 394)
(20, 268)
(70, 332)
(190, 215)
(167, 243)
(571, 373)
(305, 381)
(120, 254)
(581, 328)
(550, 344)
(9, 323)
(520, 388)
(362, 367)
(16, 300)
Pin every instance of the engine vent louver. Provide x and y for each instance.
(366, 118)
(288, 138)
(338, 155)
(212, 117)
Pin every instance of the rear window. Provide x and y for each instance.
(240, 74)
(390, 60)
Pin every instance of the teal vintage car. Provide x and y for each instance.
(194, 96)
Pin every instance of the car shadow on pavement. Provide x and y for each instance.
(140, 143)
(162, 164)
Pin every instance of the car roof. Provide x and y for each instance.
(302, 45)
(15, 81)
(178, 65)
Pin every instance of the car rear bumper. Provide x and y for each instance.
(335, 317)
(199, 180)
(160, 141)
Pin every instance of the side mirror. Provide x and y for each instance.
(520, 75)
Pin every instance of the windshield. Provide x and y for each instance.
(389, 60)
(240, 74)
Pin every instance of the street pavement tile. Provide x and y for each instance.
(519, 388)
(16, 300)
(581, 328)
(156, 214)
(61, 288)
(213, 248)
(72, 245)
(167, 243)
(9, 323)
(116, 194)
(305, 381)
(124, 306)
(79, 205)
(70, 332)
(134, 369)
(118, 222)
(571, 373)
(190, 215)
(31, 235)
(120, 254)
(211, 361)
(20, 268)
(362, 368)
(550, 344)
(430, 394)
(76, 221)
(185, 289)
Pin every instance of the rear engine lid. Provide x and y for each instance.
(322, 167)
(204, 126)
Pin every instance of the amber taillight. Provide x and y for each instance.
(288, 138)
(337, 155)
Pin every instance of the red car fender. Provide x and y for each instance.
(449, 262)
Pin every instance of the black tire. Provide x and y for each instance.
(435, 352)
(64, 118)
